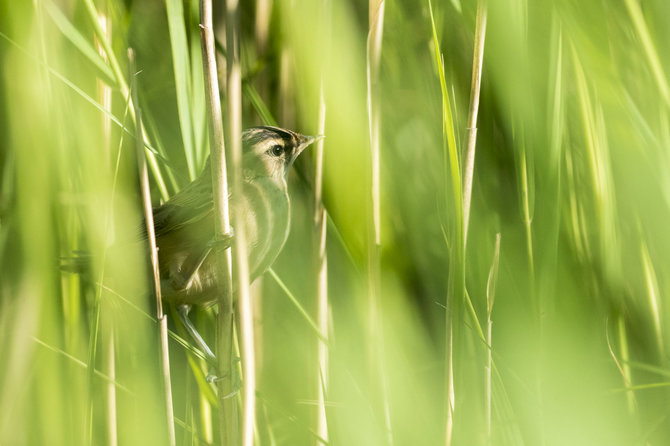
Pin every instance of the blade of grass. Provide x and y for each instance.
(623, 366)
(123, 85)
(182, 78)
(81, 363)
(600, 174)
(176, 337)
(257, 102)
(477, 65)
(456, 291)
(198, 99)
(86, 97)
(653, 295)
(298, 306)
(78, 40)
(649, 48)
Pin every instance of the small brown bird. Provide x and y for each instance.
(184, 224)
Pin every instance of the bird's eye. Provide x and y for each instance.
(276, 150)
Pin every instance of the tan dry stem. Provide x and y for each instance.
(151, 236)
(228, 425)
(475, 89)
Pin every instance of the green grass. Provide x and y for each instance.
(567, 229)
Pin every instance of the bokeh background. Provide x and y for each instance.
(570, 176)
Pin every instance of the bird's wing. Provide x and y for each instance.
(191, 204)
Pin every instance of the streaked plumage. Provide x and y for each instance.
(184, 224)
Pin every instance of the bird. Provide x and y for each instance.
(184, 224)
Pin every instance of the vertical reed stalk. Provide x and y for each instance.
(323, 314)
(234, 141)
(654, 296)
(110, 370)
(320, 224)
(490, 297)
(151, 235)
(262, 25)
(225, 319)
(624, 366)
(261, 33)
(375, 346)
(286, 82)
(374, 49)
(456, 287)
(635, 12)
(527, 219)
(320, 221)
(477, 64)
(104, 93)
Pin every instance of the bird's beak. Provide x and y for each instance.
(306, 141)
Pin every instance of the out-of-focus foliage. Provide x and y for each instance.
(571, 167)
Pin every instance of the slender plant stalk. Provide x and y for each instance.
(323, 314)
(490, 298)
(225, 317)
(456, 294)
(322, 275)
(286, 82)
(262, 25)
(320, 232)
(375, 346)
(149, 220)
(374, 49)
(527, 219)
(477, 64)
(654, 296)
(105, 98)
(650, 51)
(234, 135)
(110, 371)
(624, 364)
(526, 190)
(601, 175)
(254, 95)
(104, 90)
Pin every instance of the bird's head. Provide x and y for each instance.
(270, 151)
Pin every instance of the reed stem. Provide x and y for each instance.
(477, 64)
(234, 142)
(151, 235)
(228, 425)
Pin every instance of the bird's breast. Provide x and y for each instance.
(266, 211)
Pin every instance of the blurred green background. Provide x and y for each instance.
(571, 170)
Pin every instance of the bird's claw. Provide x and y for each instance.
(223, 241)
(237, 384)
(212, 378)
